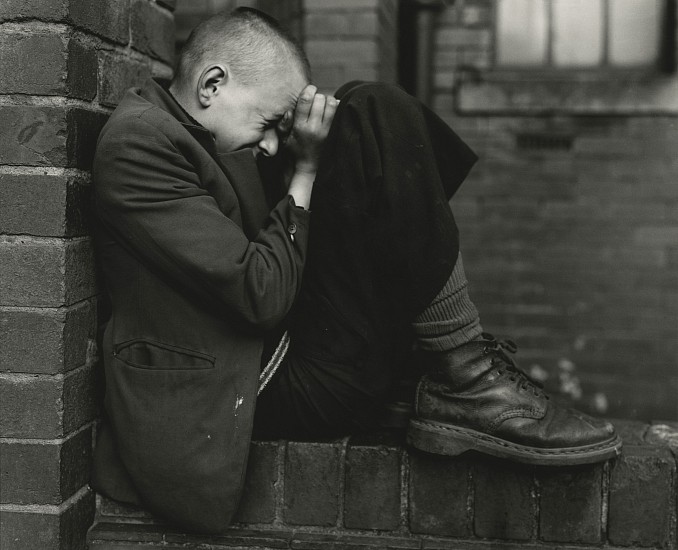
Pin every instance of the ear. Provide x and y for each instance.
(210, 83)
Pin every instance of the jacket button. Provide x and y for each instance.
(292, 228)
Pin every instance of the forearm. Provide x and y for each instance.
(301, 186)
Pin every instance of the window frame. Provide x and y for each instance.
(665, 61)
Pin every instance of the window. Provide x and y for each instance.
(579, 34)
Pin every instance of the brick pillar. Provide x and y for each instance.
(351, 40)
(64, 66)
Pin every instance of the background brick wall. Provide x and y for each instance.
(350, 40)
(568, 222)
(64, 66)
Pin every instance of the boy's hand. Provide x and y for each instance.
(308, 127)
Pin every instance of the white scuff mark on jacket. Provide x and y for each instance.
(238, 402)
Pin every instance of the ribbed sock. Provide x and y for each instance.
(451, 319)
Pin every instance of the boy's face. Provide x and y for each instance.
(243, 116)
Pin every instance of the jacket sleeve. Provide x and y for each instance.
(149, 197)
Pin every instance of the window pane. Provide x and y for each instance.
(521, 32)
(577, 33)
(634, 31)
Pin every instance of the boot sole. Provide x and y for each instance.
(446, 439)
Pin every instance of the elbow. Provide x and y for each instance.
(269, 310)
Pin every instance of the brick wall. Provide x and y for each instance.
(569, 226)
(189, 13)
(350, 40)
(64, 66)
(372, 492)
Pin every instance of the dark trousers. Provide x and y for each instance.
(382, 244)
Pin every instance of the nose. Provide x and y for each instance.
(269, 143)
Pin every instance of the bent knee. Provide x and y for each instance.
(357, 91)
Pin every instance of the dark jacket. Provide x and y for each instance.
(196, 268)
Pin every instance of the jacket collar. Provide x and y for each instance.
(157, 92)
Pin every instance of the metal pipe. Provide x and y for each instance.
(426, 12)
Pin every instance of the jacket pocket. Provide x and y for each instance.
(142, 353)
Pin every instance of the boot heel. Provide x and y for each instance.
(437, 439)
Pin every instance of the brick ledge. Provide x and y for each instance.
(371, 491)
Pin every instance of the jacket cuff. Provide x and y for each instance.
(297, 221)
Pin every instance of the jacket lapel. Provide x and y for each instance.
(241, 170)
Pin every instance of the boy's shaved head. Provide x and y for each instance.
(249, 42)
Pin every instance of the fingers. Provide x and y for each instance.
(315, 117)
(321, 113)
(305, 102)
(330, 108)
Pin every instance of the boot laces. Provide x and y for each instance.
(500, 350)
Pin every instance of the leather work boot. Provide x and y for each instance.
(476, 398)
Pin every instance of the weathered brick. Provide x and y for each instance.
(438, 495)
(641, 485)
(321, 50)
(48, 136)
(46, 341)
(505, 501)
(83, 130)
(117, 74)
(47, 64)
(116, 536)
(571, 504)
(81, 80)
(33, 9)
(372, 486)
(152, 30)
(33, 63)
(44, 205)
(663, 434)
(79, 400)
(107, 18)
(258, 503)
(63, 529)
(46, 272)
(44, 473)
(33, 135)
(311, 483)
(45, 407)
(631, 431)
